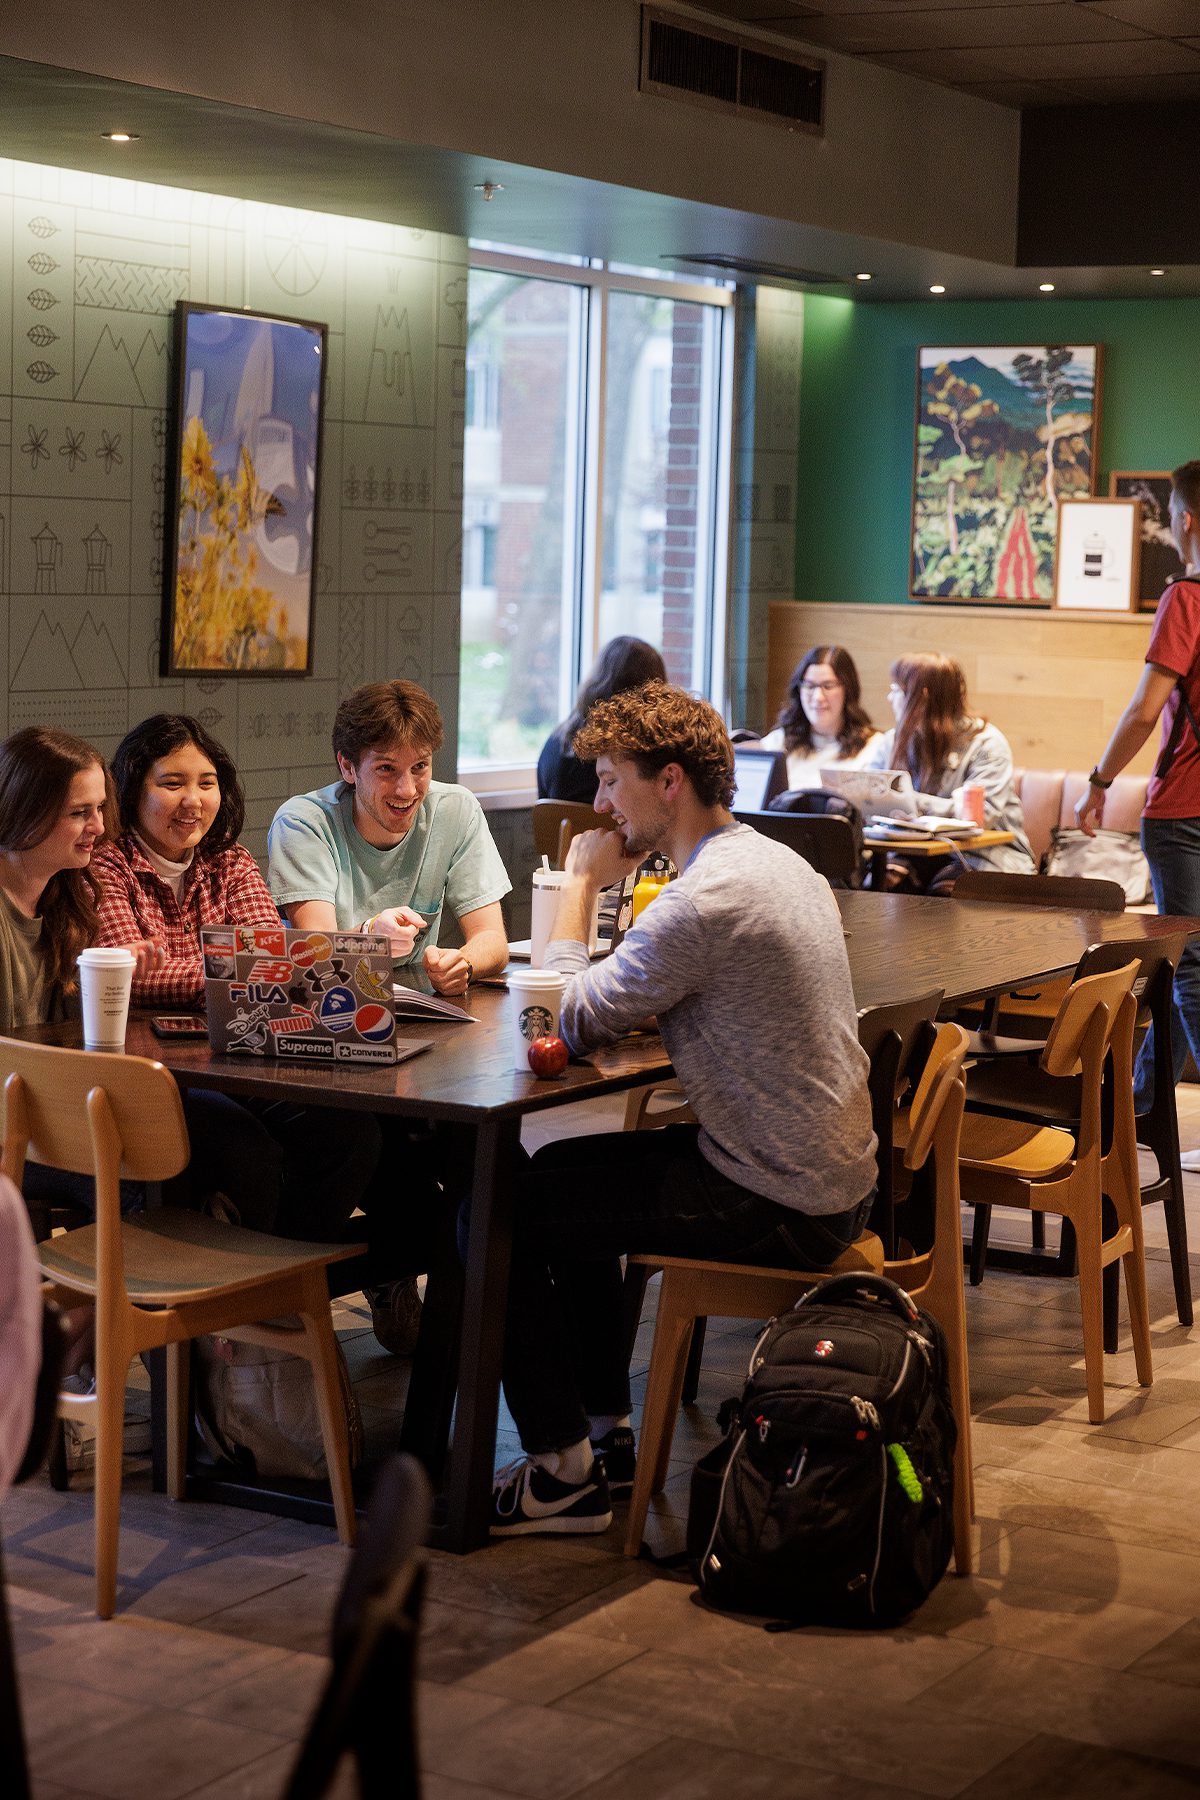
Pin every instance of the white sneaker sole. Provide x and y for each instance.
(557, 1524)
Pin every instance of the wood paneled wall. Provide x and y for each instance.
(1054, 683)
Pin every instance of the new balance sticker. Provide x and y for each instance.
(336, 1009)
(266, 969)
(374, 1023)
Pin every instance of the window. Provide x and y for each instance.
(595, 470)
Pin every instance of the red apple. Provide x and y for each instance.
(547, 1056)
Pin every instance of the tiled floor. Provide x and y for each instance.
(1069, 1665)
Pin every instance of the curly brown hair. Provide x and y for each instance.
(655, 725)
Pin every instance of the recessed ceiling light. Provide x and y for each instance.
(120, 137)
(489, 188)
(937, 288)
(1158, 271)
(864, 275)
(1045, 287)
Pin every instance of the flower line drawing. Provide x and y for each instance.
(110, 450)
(72, 448)
(34, 446)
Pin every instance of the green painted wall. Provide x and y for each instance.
(858, 396)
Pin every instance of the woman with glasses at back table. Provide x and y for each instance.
(944, 747)
(823, 722)
(173, 866)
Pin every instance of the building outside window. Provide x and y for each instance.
(595, 484)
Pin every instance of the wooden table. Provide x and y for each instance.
(920, 844)
(465, 1078)
(898, 945)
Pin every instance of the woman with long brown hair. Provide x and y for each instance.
(944, 747)
(54, 792)
(823, 720)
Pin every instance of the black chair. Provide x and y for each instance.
(368, 1707)
(1019, 1090)
(897, 1040)
(828, 843)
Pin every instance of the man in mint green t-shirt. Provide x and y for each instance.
(386, 847)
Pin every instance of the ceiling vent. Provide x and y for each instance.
(726, 70)
(750, 268)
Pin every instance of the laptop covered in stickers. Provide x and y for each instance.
(304, 996)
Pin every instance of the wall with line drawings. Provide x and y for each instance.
(90, 270)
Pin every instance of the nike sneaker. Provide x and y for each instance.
(526, 1498)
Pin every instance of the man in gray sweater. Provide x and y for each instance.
(743, 963)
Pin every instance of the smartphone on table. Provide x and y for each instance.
(179, 1025)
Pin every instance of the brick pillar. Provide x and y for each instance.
(683, 453)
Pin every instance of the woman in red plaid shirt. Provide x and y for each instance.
(174, 866)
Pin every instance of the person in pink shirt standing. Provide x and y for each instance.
(1169, 688)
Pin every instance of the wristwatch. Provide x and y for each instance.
(1095, 779)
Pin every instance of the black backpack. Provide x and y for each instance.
(830, 1500)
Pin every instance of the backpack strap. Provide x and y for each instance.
(1183, 712)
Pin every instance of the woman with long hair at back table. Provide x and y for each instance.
(173, 866)
(944, 747)
(624, 663)
(823, 721)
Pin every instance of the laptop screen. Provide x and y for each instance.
(759, 775)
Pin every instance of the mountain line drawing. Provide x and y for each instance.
(113, 375)
(49, 660)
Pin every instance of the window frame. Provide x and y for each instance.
(516, 783)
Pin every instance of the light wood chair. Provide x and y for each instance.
(164, 1278)
(1020, 1163)
(692, 1289)
(556, 822)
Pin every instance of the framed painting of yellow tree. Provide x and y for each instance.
(241, 553)
(1003, 435)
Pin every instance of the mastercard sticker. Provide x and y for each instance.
(305, 952)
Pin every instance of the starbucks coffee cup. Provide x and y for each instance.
(536, 999)
(105, 980)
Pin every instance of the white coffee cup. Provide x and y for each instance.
(548, 885)
(105, 979)
(536, 1002)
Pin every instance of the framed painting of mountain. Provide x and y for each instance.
(243, 486)
(1003, 434)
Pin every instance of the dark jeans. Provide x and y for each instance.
(1172, 849)
(583, 1203)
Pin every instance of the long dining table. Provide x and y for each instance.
(898, 946)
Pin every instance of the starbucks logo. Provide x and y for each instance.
(534, 1022)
